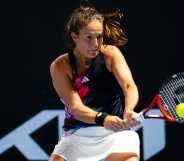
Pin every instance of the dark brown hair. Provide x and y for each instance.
(113, 32)
(81, 16)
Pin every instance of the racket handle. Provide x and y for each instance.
(139, 117)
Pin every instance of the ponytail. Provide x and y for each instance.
(113, 32)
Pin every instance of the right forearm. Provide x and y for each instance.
(87, 115)
(84, 114)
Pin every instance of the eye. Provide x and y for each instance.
(89, 37)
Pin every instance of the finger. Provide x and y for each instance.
(133, 123)
(113, 128)
(118, 125)
(130, 122)
(125, 124)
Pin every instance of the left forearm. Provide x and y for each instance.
(131, 97)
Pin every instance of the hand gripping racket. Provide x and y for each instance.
(170, 94)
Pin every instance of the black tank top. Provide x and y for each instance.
(98, 89)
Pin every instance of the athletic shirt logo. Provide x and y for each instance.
(80, 86)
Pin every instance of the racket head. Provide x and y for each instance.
(171, 93)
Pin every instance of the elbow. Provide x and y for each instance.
(135, 89)
(136, 93)
(73, 108)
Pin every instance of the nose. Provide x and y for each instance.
(95, 43)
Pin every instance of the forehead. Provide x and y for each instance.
(93, 27)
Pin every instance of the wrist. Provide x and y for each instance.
(128, 110)
(100, 117)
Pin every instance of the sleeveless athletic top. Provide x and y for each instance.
(97, 88)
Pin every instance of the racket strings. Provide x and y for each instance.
(168, 103)
(180, 91)
(175, 99)
(171, 91)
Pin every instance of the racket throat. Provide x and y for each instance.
(154, 116)
(164, 114)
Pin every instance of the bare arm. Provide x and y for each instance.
(124, 77)
(65, 91)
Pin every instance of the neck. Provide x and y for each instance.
(88, 62)
(82, 60)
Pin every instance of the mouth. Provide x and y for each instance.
(93, 51)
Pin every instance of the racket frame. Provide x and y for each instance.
(156, 100)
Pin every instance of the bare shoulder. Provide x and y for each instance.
(112, 55)
(60, 64)
(110, 51)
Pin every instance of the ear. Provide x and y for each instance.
(74, 36)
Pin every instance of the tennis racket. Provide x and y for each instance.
(169, 95)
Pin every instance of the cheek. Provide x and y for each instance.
(79, 44)
(84, 45)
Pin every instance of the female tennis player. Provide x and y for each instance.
(96, 86)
